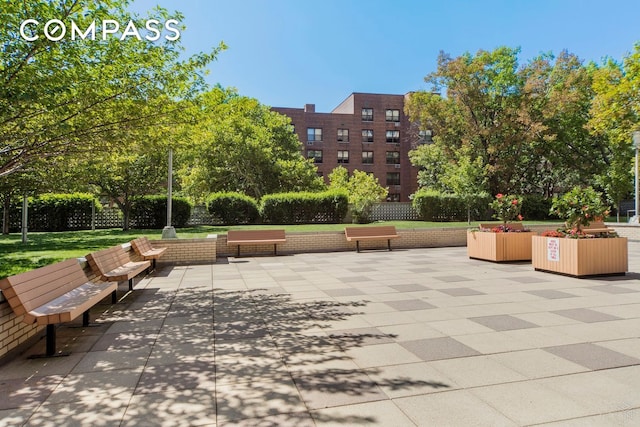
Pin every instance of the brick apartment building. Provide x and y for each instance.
(368, 132)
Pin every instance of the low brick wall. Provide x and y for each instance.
(187, 251)
(333, 241)
(630, 231)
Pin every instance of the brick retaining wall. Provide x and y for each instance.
(187, 251)
(630, 231)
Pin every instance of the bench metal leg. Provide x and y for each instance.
(238, 255)
(275, 250)
(114, 297)
(85, 318)
(389, 243)
(358, 246)
(51, 340)
(50, 345)
(131, 284)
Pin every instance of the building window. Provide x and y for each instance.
(393, 136)
(367, 135)
(343, 156)
(393, 178)
(367, 157)
(393, 197)
(343, 135)
(367, 114)
(392, 115)
(316, 155)
(314, 134)
(393, 157)
(425, 136)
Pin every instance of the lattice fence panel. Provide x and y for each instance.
(394, 212)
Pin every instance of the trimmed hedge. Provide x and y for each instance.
(55, 212)
(436, 206)
(304, 207)
(536, 207)
(151, 212)
(233, 208)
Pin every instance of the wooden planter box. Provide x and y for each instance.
(499, 246)
(580, 257)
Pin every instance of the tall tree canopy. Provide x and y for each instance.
(237, 144)
(59, 98)
(526, 124)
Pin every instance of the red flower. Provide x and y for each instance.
(519, 217)
(499, 196)
(514, 202)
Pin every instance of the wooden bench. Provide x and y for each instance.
(142, 246)
(113, 265)
(513, 225)
(54, 294)
(596, 227)
(381, 232)
(255, 237)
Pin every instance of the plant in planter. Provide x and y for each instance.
(508, 241)
(578, 249)
(579, 207)
(507, 209)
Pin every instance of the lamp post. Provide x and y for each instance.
(636, 144)
(168, 232)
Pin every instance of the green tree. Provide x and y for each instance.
(237, 144)
(558, 92)
(467, 179)
(363, 189)
(527, 123)
(61, 98)
(476, 102)
(123, 175)
(614, 114)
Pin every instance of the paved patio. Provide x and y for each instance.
(411, 337)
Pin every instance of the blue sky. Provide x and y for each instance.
(288, 53)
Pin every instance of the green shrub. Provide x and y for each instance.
(433, 205)
(56, 212)
(151, 212)
(535, 207)
(233, 208)
(304, 207)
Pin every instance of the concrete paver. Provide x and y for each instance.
(409, 337)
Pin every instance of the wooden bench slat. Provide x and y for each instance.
(142, 246)
(512, 225)
(256, 237)
(114, 265)
(32, 293)
(382, 232)
(597, 227)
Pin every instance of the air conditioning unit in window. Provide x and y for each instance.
(309, 142)
(397, 124)
(397, 166)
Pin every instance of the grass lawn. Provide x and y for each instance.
(47, 248)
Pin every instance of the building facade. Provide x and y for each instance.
(367, 132)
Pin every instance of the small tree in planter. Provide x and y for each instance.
(579, 207)
(573, 251)
(506, 242)
(507, 209)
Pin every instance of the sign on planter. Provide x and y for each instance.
(553, 249)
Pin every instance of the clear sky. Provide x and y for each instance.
(288, 53)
